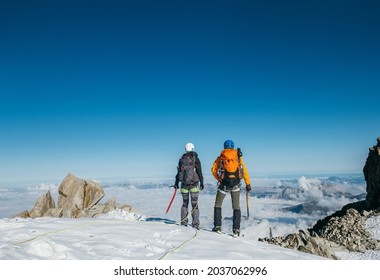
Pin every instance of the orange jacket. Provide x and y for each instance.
(215, 167)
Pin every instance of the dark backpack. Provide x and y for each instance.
(187, 173)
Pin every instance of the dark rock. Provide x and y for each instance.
(371, 172)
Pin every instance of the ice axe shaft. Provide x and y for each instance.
(246, 202)
(171, 201)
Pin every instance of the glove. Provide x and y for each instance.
(176, 187)
(248, 188)
(202, 186)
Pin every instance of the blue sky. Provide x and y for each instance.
(117, 88)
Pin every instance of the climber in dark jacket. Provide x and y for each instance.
(189, 173)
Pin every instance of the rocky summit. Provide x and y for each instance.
(76, 198)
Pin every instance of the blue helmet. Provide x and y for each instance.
(229, 144)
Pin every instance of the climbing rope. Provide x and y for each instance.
(57, 231)
(179, 246)
(189, 239)
(103, 222)
(188, 214)
(106, 221)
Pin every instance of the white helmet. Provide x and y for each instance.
(189, 147)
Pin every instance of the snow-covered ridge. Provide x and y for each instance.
(150, 228)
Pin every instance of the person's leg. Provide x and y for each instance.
(184, 208)
(220, 195)
(195, 208)
(235, 197)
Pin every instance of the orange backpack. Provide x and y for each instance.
(230, 167)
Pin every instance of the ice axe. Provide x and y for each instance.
(171, 201)
(246, 201)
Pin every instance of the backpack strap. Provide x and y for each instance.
(192, 156)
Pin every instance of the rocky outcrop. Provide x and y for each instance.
(42, 205)
(345, 229)
(306, 243)
(77, 198)
(76, 195)
(371, 172)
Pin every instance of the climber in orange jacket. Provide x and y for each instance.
(228, 169)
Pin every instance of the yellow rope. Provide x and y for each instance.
(186, 241)
(179, 246)
(191, 213)
(57, 231)
(98, 222)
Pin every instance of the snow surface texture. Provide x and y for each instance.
(150, 234)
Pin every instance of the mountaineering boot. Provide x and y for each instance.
(236, 232)
(196, 227)
(217, 220)
(217, 217)
(217, 229)
(236, 218)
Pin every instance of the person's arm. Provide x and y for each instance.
(198, 169)
(215, 168)
(247, 180)
(177, 175)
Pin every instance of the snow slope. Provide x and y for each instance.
(127, 238)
